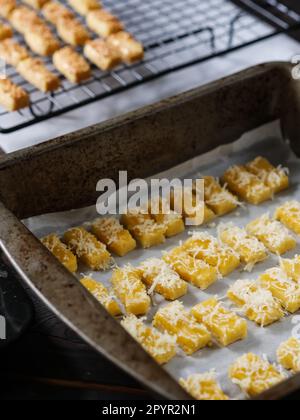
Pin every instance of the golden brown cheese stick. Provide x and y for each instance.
(12, 97)
(101, 54)
(72, 65)
(54, 11)
(35, 72)
(12, 52)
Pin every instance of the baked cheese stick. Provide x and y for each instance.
(129, 48)
(23, 18)
(72, 65)
(162, 347)
(6, 7)
(61, 252)
(288, 355)
(83, 7)
(41, 40)
(246, 185)
(88, 249)
(254, 374)
(175, 320)
(54, 11)
(5, 31)
(36, 4)
(72, 32)
(275, 178)
(100, 292)
(35, 72)
(12, 97)
(161, 278)
(103, 23)
(203, 387)
(102, 54)
(12, 52)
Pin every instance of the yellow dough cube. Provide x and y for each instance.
(5, 31)
(103, 23)
(161, 278)
(88, 249)
(83, 7)
(129, 288)
(291, 267)
(282, 288)
(275, 178)
(288, 355)
(129, 48)
(193, 209)
(100, 292)
(163, 215)
(289, 215)
(249, 248)
(225, 325)
(207, 248)
(246, 185)
(144, 229)
(218, 198)
(203, 387)
(6, 7)
(272, 234)
(61, 252)
(254, 375)
(175, 320)
(194, 271)
(117, 239)
(162, 347)
(257, 303)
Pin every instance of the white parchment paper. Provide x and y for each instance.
(266, 141)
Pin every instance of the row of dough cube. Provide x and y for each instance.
(119, 46)
(252, 373)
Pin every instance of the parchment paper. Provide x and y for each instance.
(266, 141)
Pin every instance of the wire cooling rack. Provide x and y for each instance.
(175, 33)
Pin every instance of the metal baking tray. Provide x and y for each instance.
(62, 175)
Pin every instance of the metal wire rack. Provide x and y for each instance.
(175, 33)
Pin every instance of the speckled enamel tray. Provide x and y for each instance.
(62, 174)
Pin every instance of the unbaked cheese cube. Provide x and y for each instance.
(5, 31)
(161, 278)
(162, 347)
(12, 97)
(224, 325)
(246, 185)
(272, 234)
(288, 355)
(163, 215)
(193, 209)
(103, 23)
(100, 292)
(129, 288)
(291, 267)
(36, 4)
(54, 11)
(190, 269)
(203, 387)
(254, 375)
(282, 288)
(72, 32)
(144, 229)
(249, 248)
(275, 178)
(61, 252)
(257, 303)
(88, 249)
(129, 48)
(218, 198)
(207, 248)
(117, 239)
(175, 320)
(6, 7)
(83, 7)
(289, 215)
(100, 53)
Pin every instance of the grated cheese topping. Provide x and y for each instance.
(110, 227)
(203, 386)
(290, 350)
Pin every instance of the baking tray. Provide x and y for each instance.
(62, 175)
